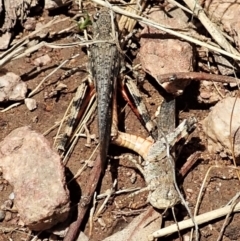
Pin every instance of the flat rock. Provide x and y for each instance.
(161, 53)
(30, 103)
(217, 127)
(41, 61)
(37, 175)
(11, 87)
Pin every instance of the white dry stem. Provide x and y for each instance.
(233, 202)
(180, 6)
(168, 30)
(58, 123)
(15, 51)
(210, 26)
(204, 182)
(65, 117)
(11, 106)
(109, 194)
(50, 74)
(92, 210)
(100, 196)
(79, 172)
(200, 219)
(200, 194)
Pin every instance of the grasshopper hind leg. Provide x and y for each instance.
(79, 103)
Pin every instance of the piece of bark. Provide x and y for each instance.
(37, 175)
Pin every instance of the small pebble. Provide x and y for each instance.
(232, 85)
(8, 216)
(90, 164)
(8, 204)
(205, 94)
(53, 237)
(128, 174)
(11, 196)
(30, 24)
(41, 61)
(189, 190)
(101, 222)
(223, 154)
(60, 87)
(2, 215)
(30, 103)
(133, 178)
(82, 237)
(21, 223)
(207, 83)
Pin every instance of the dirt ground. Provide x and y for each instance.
(222, 183)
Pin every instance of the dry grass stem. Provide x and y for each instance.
(58, 123)
(109, 194)
(11, 106)
(92, 210)
(227, 218)
(100, 196)
(200, 219)
(204, 182)
(211, 27)
(167, 30)
(79, 172)
(18, 47)
(50, 74)
(180, 6)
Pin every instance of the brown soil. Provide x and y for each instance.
(222, 183)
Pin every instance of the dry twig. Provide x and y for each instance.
(85, 200)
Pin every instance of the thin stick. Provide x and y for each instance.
(11, 106)
(197, 76)
(107, 198)
(79, 172)
(85, 200)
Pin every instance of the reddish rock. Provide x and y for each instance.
(161, 53)
(37, 175)
(217, 127)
